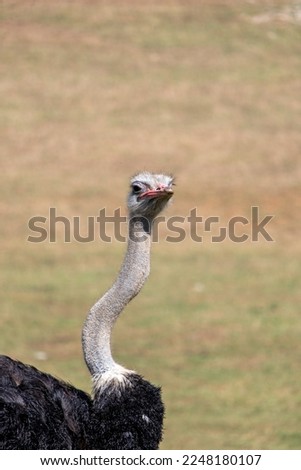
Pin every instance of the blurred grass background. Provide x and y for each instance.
(93, 91)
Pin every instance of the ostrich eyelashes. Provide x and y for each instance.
(136, 188)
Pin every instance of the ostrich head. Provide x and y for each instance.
(149, 194)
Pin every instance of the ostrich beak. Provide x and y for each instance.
(162, 191)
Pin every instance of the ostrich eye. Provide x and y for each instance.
(136, 188)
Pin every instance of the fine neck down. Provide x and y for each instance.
(96, 337)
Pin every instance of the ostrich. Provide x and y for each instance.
(38, 411)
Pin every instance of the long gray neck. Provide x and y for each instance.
(102, 316)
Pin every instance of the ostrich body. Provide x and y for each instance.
(38, 411)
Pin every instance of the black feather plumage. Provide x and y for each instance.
(38, 411)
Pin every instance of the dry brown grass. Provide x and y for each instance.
(93, 91)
